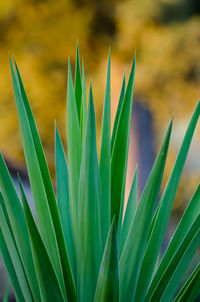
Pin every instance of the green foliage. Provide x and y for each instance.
(81, 247)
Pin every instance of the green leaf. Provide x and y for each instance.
(36, 181)
(170, 279)
(119, 107)
(63, 197)
(43, 193)
(6, 294)
(74, 155)
(48, 281)
(191, 288)
(10, 268)
(164, 210)
(129, 213)
(19, 229)
(191, 213)
(84, 104)
(78, 85)
(90, 242)
(120, 150)
(38, 146)
(105, 162)
(2, 203)
(134, 248)
(13, 254)
(181, 269)
(108, 279)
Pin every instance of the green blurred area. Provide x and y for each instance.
(43, 33)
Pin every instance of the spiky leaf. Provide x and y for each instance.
(16, 261)
(84, 104)
(129, 213)
(74, 155)
(43, 193)
(15, 213)
(164, 210)
(89, 242)
(171, 277)
(120, 150)
(119, 107)
(62, 185)
(48, 281)
(191, 288)
(134, 248)
(108, 279)
(105, 162)
(78, 84)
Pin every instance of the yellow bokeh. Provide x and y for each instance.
(42, 34)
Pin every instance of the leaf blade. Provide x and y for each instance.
(16, 261)
(140, 227)
(74, 155)
(120, 151)
(10, 268)
(48, 281)
(191, 213)
(104, 165)
(36, 181)
(119, 107)
(63, 197)
(108, 279)
(90, 245)
(129, 213)
(178, 264)
(191, 288)
(164, 209)
(78, 84)
(15, 214)
(43, 192)
(84, 103)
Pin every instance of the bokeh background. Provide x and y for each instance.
(41, 34)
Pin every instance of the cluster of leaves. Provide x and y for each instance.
(82, 247)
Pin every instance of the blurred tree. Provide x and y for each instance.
(178, 10)
(42, 33)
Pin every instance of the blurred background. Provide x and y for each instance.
(166, 35)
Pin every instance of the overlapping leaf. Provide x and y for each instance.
(44, 197)
(191, 213)
(129, 213)
(74, 149)
(120, 150)
(50, 288)
(119, 107)
(89, 241)
(84, 104)
(19, 229)
(10, 268)
(191, 288)
(108, 279)
(62, 185)
(164, 210)
(105, 162)
(13, 260)
(167, 284)
(134, 248)
(78, 84)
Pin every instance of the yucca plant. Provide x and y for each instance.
(82, 246)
